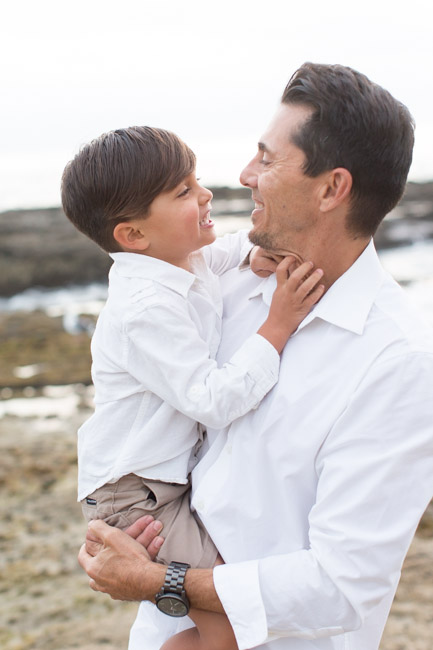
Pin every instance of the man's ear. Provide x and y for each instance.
(130, 236)
(335, 189)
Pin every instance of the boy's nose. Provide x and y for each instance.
(206, 195)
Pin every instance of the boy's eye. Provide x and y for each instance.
(185, 191)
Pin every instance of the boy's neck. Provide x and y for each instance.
(180, 263)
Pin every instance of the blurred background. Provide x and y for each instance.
(213, 73)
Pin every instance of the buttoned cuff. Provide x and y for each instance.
(262, 361)
(238, 589)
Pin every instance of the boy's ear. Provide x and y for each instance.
(130, 236)
(336, 189)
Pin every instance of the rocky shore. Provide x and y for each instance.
(46, 602)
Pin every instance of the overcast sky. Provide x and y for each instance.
(211, 71)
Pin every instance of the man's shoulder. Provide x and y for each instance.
(402, 319)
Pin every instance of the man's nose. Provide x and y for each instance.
(248, 176)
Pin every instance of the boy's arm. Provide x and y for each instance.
(166, 355)
(227, 252)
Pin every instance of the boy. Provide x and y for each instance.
(134, 192)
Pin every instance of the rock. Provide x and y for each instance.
(36, 351)
(42, 248)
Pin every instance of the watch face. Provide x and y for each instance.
(172, 605)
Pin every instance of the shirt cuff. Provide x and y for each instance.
(238, 589)
(262, 361)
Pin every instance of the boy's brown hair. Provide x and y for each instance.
(117, 176)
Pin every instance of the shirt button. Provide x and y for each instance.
(229, 449)
(196, 392)
(199, 505)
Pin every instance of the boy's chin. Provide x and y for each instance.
(209, 236)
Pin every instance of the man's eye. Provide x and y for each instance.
(264, 162)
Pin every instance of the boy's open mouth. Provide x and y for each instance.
(206, 222)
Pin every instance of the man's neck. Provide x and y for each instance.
(334, 256)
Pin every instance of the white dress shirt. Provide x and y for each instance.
(313, 498)
(153, 370)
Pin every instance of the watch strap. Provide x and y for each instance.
(175, 578)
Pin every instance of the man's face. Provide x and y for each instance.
(286, 200)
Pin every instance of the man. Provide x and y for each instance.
(313, 498)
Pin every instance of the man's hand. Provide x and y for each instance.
(262, 262)
(145, 530)
(119, 565)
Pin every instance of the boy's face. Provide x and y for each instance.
(179, 222)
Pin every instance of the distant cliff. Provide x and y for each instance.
(41, 248)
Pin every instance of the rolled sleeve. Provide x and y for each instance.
(263, 362)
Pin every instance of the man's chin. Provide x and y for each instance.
(261, 239)
(270, 243)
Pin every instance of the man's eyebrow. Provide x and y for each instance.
(264, 147)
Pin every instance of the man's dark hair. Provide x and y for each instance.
(357, 125)
(117, 176)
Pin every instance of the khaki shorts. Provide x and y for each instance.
(121, 504)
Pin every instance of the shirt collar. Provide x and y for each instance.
(134, 265)
(348, 302)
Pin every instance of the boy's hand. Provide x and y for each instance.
(293, 298)
(262, 262)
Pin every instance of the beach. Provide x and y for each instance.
(46, 601)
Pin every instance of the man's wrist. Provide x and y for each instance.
(152, 579)
(172, 599)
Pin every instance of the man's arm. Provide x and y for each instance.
(374, 481)
(119, 565)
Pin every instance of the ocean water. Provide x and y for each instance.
(411, 266)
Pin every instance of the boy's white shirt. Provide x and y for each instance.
(154, 371)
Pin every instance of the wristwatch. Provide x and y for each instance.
(172, 598)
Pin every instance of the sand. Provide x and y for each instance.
(45, 601)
